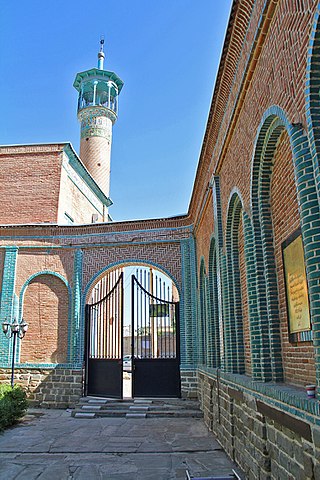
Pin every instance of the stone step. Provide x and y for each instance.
(101, 401)
(84, 415)
(97, 400)
(161, 403)
(91, 407)
(145, 402)
(151, 407)
(136, 415)
(145, 414)
(112, 406)
(138, 407)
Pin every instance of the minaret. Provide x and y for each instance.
(97, 111)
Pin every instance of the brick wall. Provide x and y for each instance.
(74, 203)
(279, 79)
(298, 358)
(45, 309)
(167, 256)
(48, 387)
(204, 231)
(266, 442)
(29, 187)
(189, 384)
(279, 66)
(36, 188)
(271, 432)
(49, 299)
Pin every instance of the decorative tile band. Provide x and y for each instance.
(7, 299)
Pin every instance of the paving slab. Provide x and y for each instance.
(52, 445)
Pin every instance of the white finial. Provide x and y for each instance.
(101, 55)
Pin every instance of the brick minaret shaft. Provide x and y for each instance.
(97, 112)
(95, 146)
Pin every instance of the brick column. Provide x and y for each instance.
(77, 327)
(216, 198)
(252, 298)
(310, 228)
(188, 308)
(7, 300)
(214, 330)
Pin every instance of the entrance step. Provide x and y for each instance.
(137, 408)
(97, 400)
(136, 415)
(91, 407)
(84, 415)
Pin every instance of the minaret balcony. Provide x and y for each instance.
(100, 101)
(95, 93)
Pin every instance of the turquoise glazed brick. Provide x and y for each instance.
(7, 300)
(76, 337)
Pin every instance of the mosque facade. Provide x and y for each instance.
(244, 259)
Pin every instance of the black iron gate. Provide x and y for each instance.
(104, 350)
(155, 337)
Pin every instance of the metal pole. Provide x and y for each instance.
(132, 337)
(151, 319)
(13, 356)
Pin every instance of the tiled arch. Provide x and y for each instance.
(312, 95)
(273, 123)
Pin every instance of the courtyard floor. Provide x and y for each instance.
(50, 445)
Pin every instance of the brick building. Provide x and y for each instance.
(52, 187)
(245, 258)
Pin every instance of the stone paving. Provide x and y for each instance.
(50, 445)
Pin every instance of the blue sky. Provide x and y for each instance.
(166, 52)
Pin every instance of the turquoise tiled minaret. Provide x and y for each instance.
(97, 112)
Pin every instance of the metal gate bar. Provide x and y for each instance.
(155, 337)
(104, 319)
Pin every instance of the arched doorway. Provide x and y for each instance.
(132, 334)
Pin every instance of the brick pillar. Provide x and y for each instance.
(310, 227)
(252, 298)
(77, 330)
(216, 198)
(188, 350)
(7, 300)
(213, 330)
